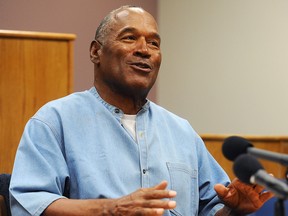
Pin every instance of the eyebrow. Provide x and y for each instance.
(131, 29)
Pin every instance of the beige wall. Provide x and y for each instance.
(225, 64)
(66, 16)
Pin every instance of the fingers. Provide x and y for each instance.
(165, 204)
(224, 192)
(146, 212)
(161, 186)
(257, 196)
(158, 194)
(221, 190)
(257, 188)
(266, 196)
(159, 211)
(155, 199)
(159, 191)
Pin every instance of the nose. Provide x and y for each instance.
(142, 49)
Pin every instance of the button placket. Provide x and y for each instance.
(117, 111)
(141, 139)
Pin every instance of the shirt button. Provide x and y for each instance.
(144, 171)
(141, 134)
(117, 110)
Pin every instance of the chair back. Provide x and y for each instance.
(4, 195)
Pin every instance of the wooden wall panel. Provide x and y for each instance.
(271, 143)
(34, 69)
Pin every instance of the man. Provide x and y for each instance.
(110, 151)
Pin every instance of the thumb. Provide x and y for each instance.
(221, 190)
(161, 186)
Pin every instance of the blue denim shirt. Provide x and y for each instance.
(76, 147)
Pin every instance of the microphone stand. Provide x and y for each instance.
(279, 209)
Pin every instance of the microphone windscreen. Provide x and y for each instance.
(246, 166)
(234, 146)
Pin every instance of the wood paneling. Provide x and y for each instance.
(34, 69)
(271, 143)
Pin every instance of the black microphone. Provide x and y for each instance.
(234, 146)
(250, 171)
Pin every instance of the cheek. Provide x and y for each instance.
(158, 58)
(114, 61)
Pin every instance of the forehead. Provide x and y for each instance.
(135, 18)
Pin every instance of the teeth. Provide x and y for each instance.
(142, 65)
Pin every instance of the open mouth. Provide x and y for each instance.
(142, 65)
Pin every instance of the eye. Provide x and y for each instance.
(129, 38)
(154, 43)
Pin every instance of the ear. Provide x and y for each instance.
(95, 51)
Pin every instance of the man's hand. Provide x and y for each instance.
(145, 201)
(242, 198)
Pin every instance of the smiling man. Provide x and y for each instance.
(110, 151)
(127, 57)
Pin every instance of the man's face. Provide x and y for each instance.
(130, 57)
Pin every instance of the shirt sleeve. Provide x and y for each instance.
(40, 171)
(210, 173)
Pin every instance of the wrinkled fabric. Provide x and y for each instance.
(76, 147)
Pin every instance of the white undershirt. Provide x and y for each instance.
(129, 123)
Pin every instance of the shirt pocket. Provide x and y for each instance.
(184, 181)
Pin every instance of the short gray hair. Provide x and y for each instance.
(103, 28)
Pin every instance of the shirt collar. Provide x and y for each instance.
(112, 108)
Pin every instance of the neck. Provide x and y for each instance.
(128, 103)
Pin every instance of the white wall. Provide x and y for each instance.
(225, 64)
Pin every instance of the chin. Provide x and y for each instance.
(139, 91)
